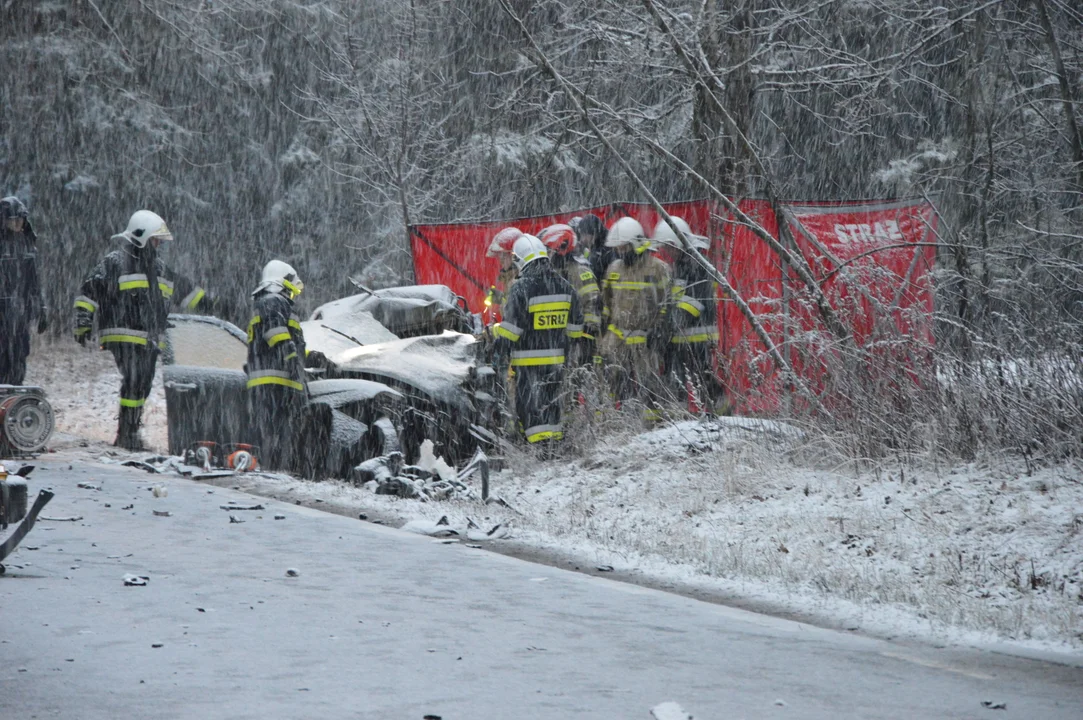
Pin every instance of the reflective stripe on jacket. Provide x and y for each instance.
(118, 292)
(276, 344)
(636, 297)
(542, 313)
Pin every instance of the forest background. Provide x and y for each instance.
(317, 130)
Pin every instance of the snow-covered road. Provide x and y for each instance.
(383, 624)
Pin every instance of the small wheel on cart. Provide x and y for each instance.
(2, 569)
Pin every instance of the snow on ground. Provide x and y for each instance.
(736, 509)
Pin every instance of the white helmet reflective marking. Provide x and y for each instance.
(144, 225)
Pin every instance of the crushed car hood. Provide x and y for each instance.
(437, 365)
(405, 311)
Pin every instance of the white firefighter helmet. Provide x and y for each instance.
(280, 277)
(627, 231)
(143, 226)
(526, 250)
(664, 235)
(503, 241)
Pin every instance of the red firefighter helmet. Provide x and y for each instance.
(559, 238)
(503, 241)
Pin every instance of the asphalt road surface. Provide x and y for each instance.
(377, 623)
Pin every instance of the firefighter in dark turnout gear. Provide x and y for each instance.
(20, 290)
(694, 316)
(560, 243)
(277, 394)
(130, 292)
(592, 236)
(541, 315)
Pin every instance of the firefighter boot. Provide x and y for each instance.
(128, 429)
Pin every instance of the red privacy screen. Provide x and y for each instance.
(871, 259)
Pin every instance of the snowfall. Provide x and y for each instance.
(750, 513)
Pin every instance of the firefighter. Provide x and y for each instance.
(20, 290)
(560, 243)
(592, 234)
(277, 393)
(541, 315)
(694, 316)
(500, 248)
(130, 291)
(635, 303)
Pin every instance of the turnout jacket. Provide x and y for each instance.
(131, 291)
(635, 298)
(276, 344)
(541, 314)
(20, 286)
(695, 304)
(579, 275)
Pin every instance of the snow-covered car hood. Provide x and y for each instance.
(347, 331)
(405, 311)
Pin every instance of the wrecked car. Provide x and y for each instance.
(371, 390)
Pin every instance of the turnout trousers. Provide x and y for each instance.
(538, 402)
(14, 348)
(276, 413)
(136, 364)
(634, 373)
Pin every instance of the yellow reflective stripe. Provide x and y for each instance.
(252, 327)
(630, 285)
(616, 331)
(589, 318)
(545, 435)
(270, 380)
(166, 286)
(507, 331)
(277, 338)
(537, 360)
(134, 339)
(636, 340)
(588, 289)
(545, 306)
(292, 355)
(82, 305)
(701, 333)
(274, 380)
(134, 284)
(193, 298)
(294, 323)
(598, 360)
(689, 308)
(127, 402)
(81, 331)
